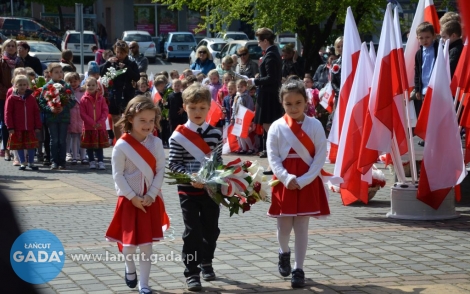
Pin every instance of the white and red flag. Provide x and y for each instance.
(442, 166)
(355, 185)
(349, 59)
(372, 53)
(242, 122)
(156, 96)
(425, 11)
(384, 125)
(458, 80)
(215, 113)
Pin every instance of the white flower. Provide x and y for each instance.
(58, 86)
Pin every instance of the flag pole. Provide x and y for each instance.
(459, 110)
(395, 153)
(409, 134)
(456, 99)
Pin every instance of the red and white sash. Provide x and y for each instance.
(141, 157)
(192, 142)
(298, 139)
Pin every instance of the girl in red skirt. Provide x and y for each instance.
(138, 161)
(22, 118)
(296, 148)
(94, 113)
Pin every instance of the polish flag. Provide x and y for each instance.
(372, 54)
(156, 96)
(327, 97)
(385, 118)
(425, 11)
(215, 114)
(230, 141)
(442, 166)
(355, 185)
(243, 121)
(349, 59)
(458, 80)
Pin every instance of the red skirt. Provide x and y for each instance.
(130, 226)
(22, 140)
(94, 139)
(311, 200)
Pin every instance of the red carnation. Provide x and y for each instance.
(50, 87)
(68, 91)
(251, 200)
(110, 83)
(257, 187)
(245, 207)
(335, 69)
(247, 163)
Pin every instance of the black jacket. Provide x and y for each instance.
(175, 103)
(293, 68)
(122, 84)
(34, 63)
(270, 73)
(320, 79)
(455, 50)
(419, 66)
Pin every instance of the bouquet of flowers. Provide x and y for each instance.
(237, 185)
(36, 86)
(57, 95)
(111, 74)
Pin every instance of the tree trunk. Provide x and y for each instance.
(61, 18)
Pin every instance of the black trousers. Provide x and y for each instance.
(201, 222)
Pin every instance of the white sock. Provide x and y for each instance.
(145, 264)
(130, 263)
(301, 240)
(284, 227)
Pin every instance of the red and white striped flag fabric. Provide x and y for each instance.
(372, 53)
(349, 59)
(214, 114)
(442, 166)
(230, 141)
(385, 118)
(355, 185)
(458, 80)
(156, 96)
(425, 11)
(243, 121)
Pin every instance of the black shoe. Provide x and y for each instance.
(33, 167)
(193, 283)
(298, 278)
(268, 173)
(421, 143)
(208, 272)
(46, 162)
(263, 154)
(130, 283)
(284, 264)
(22, 167)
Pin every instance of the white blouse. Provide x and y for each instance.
(278, 148)
(128, 178)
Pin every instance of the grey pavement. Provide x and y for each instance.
(356, 250)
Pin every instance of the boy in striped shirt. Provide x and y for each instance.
(189, 145)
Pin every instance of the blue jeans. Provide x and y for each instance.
(58, 133)
(31, 153)
(98, 152)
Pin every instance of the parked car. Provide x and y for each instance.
(289, 38)
(145, 41)
(45, 51)
(27, 28)
(231, 48)
(233, 35)
(178, 45)
(71, 40)
(213, 44)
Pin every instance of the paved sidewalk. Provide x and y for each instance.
(357, 250)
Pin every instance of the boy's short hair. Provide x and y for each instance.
(164, 73)
(231, 83)
(160, 79)
(265, 34)
(187, 72)
(191, 79)
(213, 72)
(71, 76)
(141, 81)
(227, 60)
(174, 72)
(176, 81)
(30, 71)
(197, 93)
(452, 27)
(184, 83)
(67, 54)
(251, 87)
(53, 65)
(425, 27)
(450, 16)
(242, 82)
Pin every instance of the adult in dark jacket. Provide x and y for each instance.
(8, 62)
(28, 60)
(292, 63)
(322, 74)
(268, 107)
(203, 61)
(122, 90)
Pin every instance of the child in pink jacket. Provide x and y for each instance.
(94, 112)
(76, 123)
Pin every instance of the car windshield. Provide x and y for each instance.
(48, 25)
(138, 38)
(254, 51)
(236, 37)
(217, 46)
(43, 48)
(87, 38)
(182, 38)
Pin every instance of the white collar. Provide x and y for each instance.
(193, 127)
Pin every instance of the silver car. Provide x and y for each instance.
(45, 51)
(213, 44)
(144, 39)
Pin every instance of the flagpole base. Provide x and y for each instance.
(405, 205)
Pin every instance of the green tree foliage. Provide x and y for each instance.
(57, 4)
(317, 22)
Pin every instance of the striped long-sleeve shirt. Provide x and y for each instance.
(181, 161)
